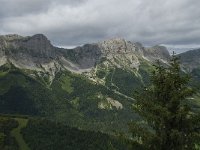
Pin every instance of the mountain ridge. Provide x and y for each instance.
(90, 87)
(34, 51)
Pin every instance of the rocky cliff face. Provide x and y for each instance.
(37, 53)
(157, 52)
(36, 46)
(84, 57)
(190, 60)
(120, 53)
(116, 46)
(29, 53)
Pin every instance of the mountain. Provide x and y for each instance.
(96, 61)
(22, 133)
(191, 63)
(178, 50)
(37, 53)
(90, 87)
(190, 59)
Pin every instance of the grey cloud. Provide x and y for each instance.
(9, 8)
(75, 22)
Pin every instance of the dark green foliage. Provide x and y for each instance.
(144, 70)
(16, 100)
(21, 94)
(71, 99)
(101, 74)
(7, 142)
(195, 73)
(190, 56)
(84, 101)
(168, 122)
(43, 134)
(123, 81)
(14, 93)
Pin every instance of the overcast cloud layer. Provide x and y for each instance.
(76, 22)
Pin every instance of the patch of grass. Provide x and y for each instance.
(2, 73)
(197, 147)
(16, 132)
(75, 102)
(66, 84)
(2, 137)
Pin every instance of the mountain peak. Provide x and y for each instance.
(39, 36)
(40, 40)
(10, 37)
(116, 46)
(38, 45)
(190, 59)
(33, 46)
(118, 39)
(157, 52)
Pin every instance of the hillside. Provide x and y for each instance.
(22, 133)
(190, 61)
(90, 87)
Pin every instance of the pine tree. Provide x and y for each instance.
(167, 121)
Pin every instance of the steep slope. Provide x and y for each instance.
(190, 59)
(125, 66)
(98, 62)
(71, 99)
(37, 53)
(89, 87)
(190, 62)
(23, 133)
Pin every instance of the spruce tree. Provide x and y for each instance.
(167, 121)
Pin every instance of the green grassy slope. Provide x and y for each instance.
(7, 142)
(71, 99)
(16, 133)
(43, 134)
(19, 133)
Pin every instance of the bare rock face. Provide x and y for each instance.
(2, 45)
(118, 52)
(121, 53)
(116, 46)
(37, 53)
(85, 57)
(38, 46)
(33, 53)
(157, 53)
(190, 60)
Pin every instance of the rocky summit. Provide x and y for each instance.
(37, 53)
(90, 87)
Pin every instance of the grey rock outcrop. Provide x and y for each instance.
(38, 46)
(35, 46)
(84, 57)
(37, 53)
(191, 59)
(33, 53)
(157, 53)
(116, 46)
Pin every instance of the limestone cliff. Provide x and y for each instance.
(37, 53)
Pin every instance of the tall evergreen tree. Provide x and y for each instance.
(168, 123)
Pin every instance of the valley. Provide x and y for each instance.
(86, 91)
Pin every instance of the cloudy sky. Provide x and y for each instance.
(76, 22)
